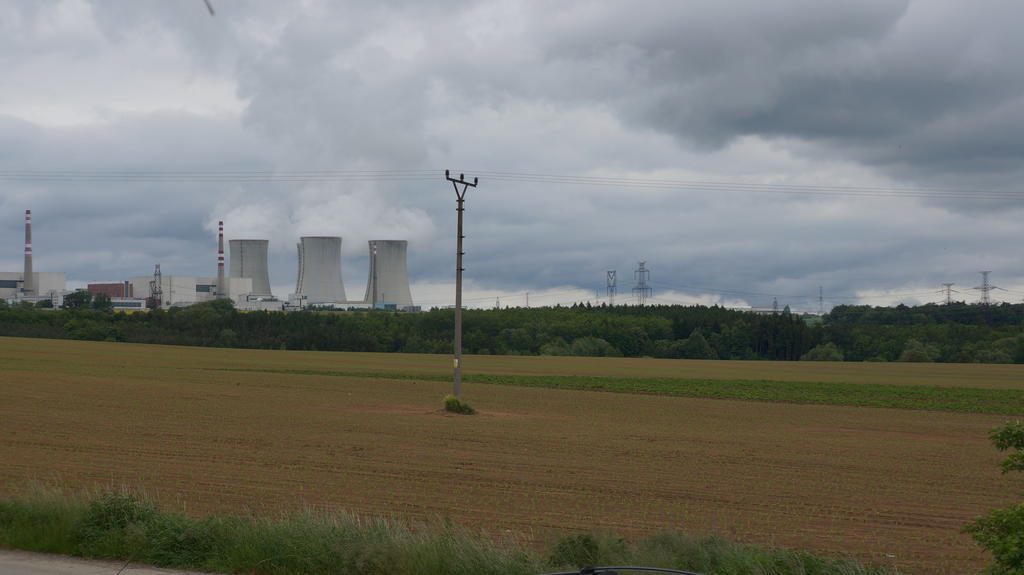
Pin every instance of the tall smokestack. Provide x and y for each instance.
(221, 291)
(28, 287)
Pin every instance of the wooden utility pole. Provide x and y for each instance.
(460, 196)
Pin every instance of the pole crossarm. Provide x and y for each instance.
(461, 180)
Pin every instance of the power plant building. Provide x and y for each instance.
(388, 284)
(187, 290)
(319, 279)
(249, 260)
(46, 284)
(112, 289)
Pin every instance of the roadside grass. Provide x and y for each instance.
(916, 397)
(125, 526)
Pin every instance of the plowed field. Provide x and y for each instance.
(209, 431)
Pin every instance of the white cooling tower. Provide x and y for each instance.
(249, 260)
(320, 270)
(388, 282)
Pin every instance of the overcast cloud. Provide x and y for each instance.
(868, 94)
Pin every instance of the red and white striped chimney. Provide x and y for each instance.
(28, 287)
(221, 292)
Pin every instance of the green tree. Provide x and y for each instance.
(101, 302)
(80, 299)
(697, 347)
(590, 346)
(1002, 530)
(916, 351)
(823, 352)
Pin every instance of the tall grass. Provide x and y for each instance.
(126, 526)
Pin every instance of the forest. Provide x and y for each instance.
(958, 332)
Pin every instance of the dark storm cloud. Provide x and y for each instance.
(919, 89)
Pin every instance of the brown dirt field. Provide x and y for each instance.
(884, 485)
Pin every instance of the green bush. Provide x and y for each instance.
(824, 352)
(580, 550)
(1002, 530)
(455, 405)
(1002, 533)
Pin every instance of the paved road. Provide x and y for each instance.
(24, 563)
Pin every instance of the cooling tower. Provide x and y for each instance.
(249, 260)
(320, 270)
(389, 281)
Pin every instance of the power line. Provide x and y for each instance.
(318, 176)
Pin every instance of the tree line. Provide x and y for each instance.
(940, 333)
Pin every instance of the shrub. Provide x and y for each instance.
(824, 352)
(585, 549)
(1002, 530)
(456, 405)
(915, 351)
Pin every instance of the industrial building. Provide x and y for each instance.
(186, 290)
(111, 289)
(46, 284)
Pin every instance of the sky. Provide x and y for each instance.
(748, 152)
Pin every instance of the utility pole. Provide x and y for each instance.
(612, 287)
(457, 344)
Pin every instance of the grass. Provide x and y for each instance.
(916, 397)
(125, 526)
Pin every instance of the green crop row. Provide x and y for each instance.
(917, 397)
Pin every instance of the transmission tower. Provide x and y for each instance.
(642, 291)
(985, 288)
(612, 286)
(821, 300)
(949, 292)
(156, 290)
